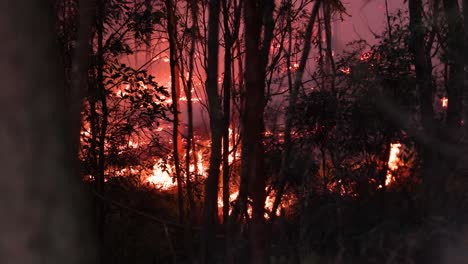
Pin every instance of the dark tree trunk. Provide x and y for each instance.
(239, 208)
(455, 62)
(430, 169)
(191, 212)
(331, 69)
(175, 92)
(227, 81)
(216, 127)
(188, 94)
(40, 200)
(229, 37)
(253, 167)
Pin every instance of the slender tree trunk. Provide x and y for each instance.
(285, 159)
(430, 169)
(329, 48)
(227, 84)
(239, 210)
(188, 94)
(455, 62)
(229, 37)
(191, 212)
(41, 204)
(253, 124)
(175, 92)
(101, 95)
(227, 110)
(387, 15)
(216, 127)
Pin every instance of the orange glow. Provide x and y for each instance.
(444, 102)
(295, 66)
(132, 144)
(346, 70)
(286, 201)
(393, 162)
(232, 197)
(365, 56)
(232, 155)
(121, 92)
(160, 177)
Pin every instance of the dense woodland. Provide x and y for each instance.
(266, 144)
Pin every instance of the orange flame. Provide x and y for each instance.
(346, 70)
(393, 162)
(444, 102)
(161, 178)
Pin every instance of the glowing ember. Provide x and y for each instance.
(444, 102)
(365, 56)
(346, 70)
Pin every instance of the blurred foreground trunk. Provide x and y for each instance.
(40, 202)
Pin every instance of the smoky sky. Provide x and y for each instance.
(363, 18)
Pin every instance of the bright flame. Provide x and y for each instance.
(200, 168)
(232, 155)
(161, 178)
(132, 144)
(270, 199)
(232, 197)
(444, 102)
(393, 162)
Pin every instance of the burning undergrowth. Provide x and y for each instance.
(350, 181)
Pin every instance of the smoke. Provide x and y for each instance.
(456, 251)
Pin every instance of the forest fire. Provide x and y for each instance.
(162, 177)
(166, 115)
